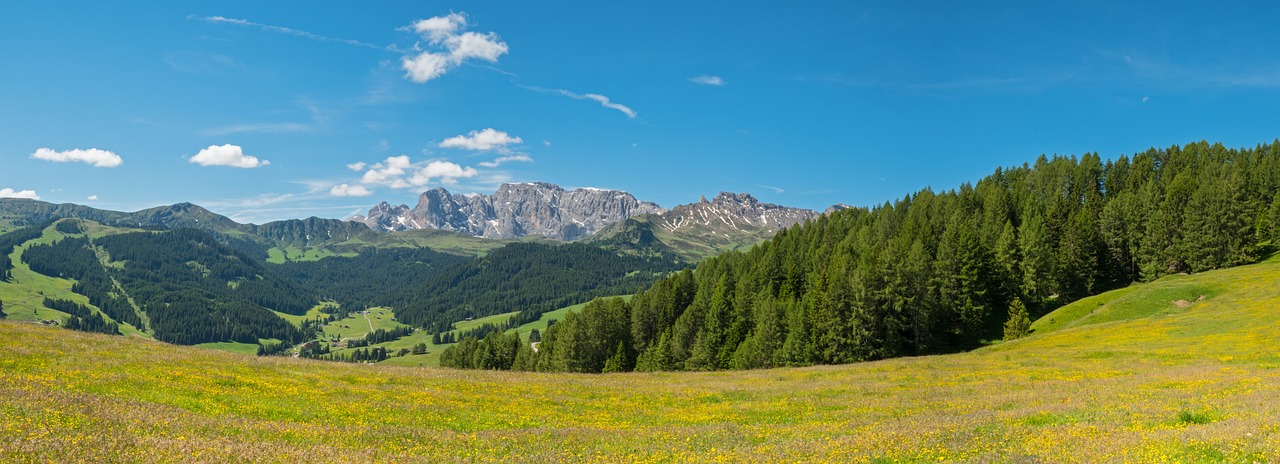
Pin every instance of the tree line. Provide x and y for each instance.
(935, 272)
(82, 317)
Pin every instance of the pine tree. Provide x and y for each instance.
(1037, 258)
(619, 361)
(1273, 219)
(1019, 324)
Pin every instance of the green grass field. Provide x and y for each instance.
(313, 313)
(432, 358)
(1137, 378)
(277, 255)
(358, 325)
(233, 347)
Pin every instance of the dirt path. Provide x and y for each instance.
(366, 319)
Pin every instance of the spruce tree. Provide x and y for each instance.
(1019, 323)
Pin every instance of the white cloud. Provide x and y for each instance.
(345, 190)
(11, 193)
(93, 157)
(440, 27)
(386, 172)
(546, 142)
(447, 172)
(503, 159)
(227, 155)
(425, 66)
(707, 79)
(356, 166)
(603, 100)
(450, 47)
(475, 45)
(92, 198)
(487, 139)
(398, 172)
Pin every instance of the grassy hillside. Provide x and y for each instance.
(1139, 377)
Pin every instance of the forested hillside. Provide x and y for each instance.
(372, 278)
(935, 271)
(191, 288)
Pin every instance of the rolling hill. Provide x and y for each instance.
(1148, 373)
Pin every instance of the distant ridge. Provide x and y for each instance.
(698, 230)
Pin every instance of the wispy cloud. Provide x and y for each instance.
(292, 31)
(603, 100)
(503, 159)
(707, 79)
(263, 128)
(198, 62)
(347, 190)
(770, 187)
(276, 206)
(1163, 73)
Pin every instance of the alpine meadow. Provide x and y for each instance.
(842, 232)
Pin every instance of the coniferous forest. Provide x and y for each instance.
(191, 288)
(933, 272)
(433, 290)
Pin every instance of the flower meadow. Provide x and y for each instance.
(1126, 377)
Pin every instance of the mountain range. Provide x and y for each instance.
(513, 211)
(610, 217)
(471, 223)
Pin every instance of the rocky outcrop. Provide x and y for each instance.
(836, 207)
(513, 211)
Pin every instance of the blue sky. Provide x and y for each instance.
(272, 110)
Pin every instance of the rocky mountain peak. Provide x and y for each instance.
(734, 211)
(514, 210)
(734, 198)
(836, 207)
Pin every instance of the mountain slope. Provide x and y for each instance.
(1187, 386)
(700, 230)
